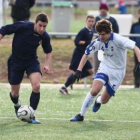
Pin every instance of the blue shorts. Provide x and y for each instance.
(104, 78)
(16, 70)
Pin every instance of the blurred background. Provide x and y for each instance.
(71, 11)
(66, 18)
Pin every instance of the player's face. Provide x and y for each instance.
(90, 22)
(104, 36)
(103, 12)
(40, 27)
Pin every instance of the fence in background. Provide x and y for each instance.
(61, 34)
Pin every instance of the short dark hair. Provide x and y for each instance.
(103, 26)
(42, 17)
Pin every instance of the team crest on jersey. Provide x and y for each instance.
(113, 86)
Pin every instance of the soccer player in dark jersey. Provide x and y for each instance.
(27, 37)
(81, 41)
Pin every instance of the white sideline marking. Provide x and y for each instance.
(120, 121)
(59, 85)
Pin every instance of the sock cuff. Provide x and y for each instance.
(35, 94)
(89, 94)
(99, 99)
(12, 96)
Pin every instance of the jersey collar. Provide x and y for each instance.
(111, 37)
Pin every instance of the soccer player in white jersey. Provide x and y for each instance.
(111, 70)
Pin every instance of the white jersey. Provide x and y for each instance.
(114, 55)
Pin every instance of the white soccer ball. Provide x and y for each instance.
(25, 113)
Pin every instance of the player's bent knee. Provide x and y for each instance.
(94, 93)
(36, 87)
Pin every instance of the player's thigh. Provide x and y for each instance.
(35, 78)
(15, 73)
(33, 71)
(96, 87)
(15, 77)
(105, 96)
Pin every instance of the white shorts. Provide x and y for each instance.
(111, 78)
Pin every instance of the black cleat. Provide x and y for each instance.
(76, 118)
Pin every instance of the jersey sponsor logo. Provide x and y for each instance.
(107, 54)
(108, 50)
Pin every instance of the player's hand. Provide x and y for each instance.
(46, 69)
(77, 76)
(138, 67)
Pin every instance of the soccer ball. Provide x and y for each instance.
(25, 113)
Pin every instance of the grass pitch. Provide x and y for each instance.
(117, 120)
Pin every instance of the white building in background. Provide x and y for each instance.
(1, 11)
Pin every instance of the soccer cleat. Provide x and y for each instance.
(16, 109)
(64, 90)
(77, 118)
(96, 105)
(34, 121)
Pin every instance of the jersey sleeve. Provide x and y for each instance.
(12, 28)
(125, 42)
(92, 48)
(46, 44)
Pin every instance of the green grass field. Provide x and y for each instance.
(117, 120)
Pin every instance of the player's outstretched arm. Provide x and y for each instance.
(46, 67)
(82, 62)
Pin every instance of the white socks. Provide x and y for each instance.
(86, 104)
(98, 100)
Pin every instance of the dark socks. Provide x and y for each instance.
(69, 81)
(34, 100)
(14, 99)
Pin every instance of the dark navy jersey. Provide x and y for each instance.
(135, 29)
(83, 35)
(26, 40)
